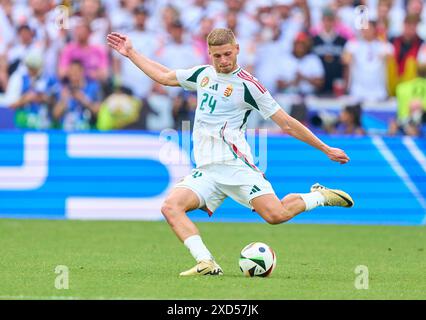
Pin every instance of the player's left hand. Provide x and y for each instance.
(338, 155)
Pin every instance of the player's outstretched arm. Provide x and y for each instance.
(156, 71)
(296, 129)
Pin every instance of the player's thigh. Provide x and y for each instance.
(203, 184)
(181, 198)
(255, 192)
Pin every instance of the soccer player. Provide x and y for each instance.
(227, 94)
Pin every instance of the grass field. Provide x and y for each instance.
(142, 260)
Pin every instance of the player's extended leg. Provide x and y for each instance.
(177, 203)
(174, 209)
(276, 211)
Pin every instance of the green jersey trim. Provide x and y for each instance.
(248, 98)
(245, 118)
(195, 75)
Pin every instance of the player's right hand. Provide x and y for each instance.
(338, 155)
(120, 43)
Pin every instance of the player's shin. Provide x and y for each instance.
(197, 248)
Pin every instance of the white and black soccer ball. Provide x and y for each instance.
(257, 260)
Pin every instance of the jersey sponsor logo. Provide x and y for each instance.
(248, 77)
(228, 91)
(205, 81)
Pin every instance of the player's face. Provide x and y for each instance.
(224, 57)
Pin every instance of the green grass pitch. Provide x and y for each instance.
(142, 260)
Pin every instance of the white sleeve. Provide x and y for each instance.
(267, 105)
(188, 78)
(13, 90)
(258, 98)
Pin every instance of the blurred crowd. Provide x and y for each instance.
(56, 70)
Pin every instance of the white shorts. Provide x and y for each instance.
(213, 183)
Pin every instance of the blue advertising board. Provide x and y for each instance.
(127, 175)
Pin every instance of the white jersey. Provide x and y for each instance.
(224, 102)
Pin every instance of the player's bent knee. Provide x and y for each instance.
(277, 217)
(274, 218)
(291, 197)
(170, 210)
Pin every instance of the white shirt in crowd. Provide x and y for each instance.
(309, 66)
(161, 118)
(178, 56)
(368, 69)
(268, 70)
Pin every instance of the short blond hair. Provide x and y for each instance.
(221, 36)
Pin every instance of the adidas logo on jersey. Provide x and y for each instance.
(254, 189)
(214, 86)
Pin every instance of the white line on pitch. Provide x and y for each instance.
(415, 151)
(399, 170)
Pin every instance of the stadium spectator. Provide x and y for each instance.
(161, 109)
(421, 57)
(170, 15)
(178, 52)
(92, 12)
(121, 110)
(42, 18)
(29, 93)
(246, 22)
(21, 48)
(411, 97)
(303, 73)
(350, 121)
(247, 44)
(93, 57)
(125, 72)
(345, 12)
(402, 66)
(184, 106)
(78, 99)
(121, 17)
(199, 38)
(328, 45)
(7, 25)
(418, 8)
(367, 57)
(268, 45)
(4, 74)
(383, 19)
(294, 18)
(197, 10)
(266, 30)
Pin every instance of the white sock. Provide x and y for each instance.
(312, 200)
(197, 248)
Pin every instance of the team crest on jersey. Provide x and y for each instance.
(228, 90)
(205, 81)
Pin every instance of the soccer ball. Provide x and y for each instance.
(257, 260)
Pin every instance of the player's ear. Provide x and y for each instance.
(237, 46)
